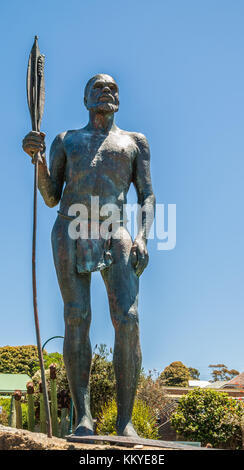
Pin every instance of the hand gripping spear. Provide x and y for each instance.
(36, 98)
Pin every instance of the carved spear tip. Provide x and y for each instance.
(36, 38)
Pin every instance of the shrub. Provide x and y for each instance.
(4, 418)
(211, 417)
(53, 358)
(102, 381)
(176, 374)
(61, 383)
(19, 360)
(6, 403)
(152, 393)
(143, 420)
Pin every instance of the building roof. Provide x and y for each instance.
(11, 382)
(218, 384)
(199, 383)
(236, 382)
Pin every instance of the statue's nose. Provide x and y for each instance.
(106, 89)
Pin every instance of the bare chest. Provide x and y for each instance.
(92, 154)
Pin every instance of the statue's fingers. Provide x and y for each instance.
(142, 263)
(134, 258)
(139, 266)
(33, 148)
(34, 139)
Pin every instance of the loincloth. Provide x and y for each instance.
(92, 254)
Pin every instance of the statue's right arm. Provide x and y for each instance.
(51, 181)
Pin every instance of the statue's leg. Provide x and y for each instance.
(122, 285)
(75, 290)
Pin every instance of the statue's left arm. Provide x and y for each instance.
(146, 200)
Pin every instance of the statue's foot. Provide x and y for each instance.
(85, 427)
(127, 430)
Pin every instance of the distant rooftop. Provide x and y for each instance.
(218, 384)
(236, 382)
(199, 383)
(11, 382)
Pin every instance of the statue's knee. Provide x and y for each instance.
(76, 314)
(127, 319)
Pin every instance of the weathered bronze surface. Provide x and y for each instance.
(98, 160)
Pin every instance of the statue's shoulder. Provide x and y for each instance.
(139, 140)
(59, 138)
(66, 136)
(137, 137)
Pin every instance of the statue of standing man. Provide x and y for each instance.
(98, 161)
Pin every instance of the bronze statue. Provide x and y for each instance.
(99, 160)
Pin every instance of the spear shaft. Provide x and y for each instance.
(35, 98)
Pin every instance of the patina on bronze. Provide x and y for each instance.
(36, 99)
(98, 160)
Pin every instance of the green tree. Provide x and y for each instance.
(194, 373)
(53, 358)
(19, 360)
(209, 416)
(221, 372)
(175, 375)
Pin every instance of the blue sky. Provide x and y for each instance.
(180, 69)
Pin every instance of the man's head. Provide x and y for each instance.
(102, 94)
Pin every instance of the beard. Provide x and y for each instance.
(104, 107)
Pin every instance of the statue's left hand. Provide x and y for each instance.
(140, 256)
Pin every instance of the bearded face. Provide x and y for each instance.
(102, 94)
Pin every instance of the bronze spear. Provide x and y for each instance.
(36, 98)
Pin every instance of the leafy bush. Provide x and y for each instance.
(24, 407)
(61, 382)
(102, 381)
(143, 420)
(53, 358)
(211, 417)
(4, 418)
(151, 392)
(19, 360)
(176, 374)
(6, 403)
